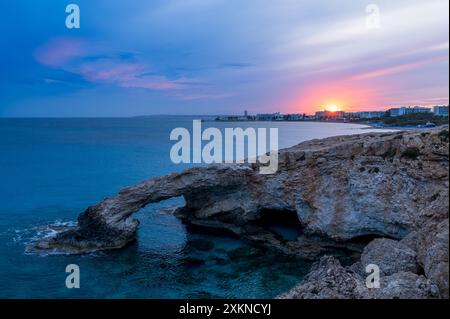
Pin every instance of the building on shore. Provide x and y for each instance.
(336, 115)
(309, 117)
(320, 114)
(370, 114)
(394, 112)
(234, 118)
(294, 117)
(270, 117)
(330, 115)
(418, 109)
(440, 110)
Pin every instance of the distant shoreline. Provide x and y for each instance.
(399, 127)
(212, 118)
(368, 124)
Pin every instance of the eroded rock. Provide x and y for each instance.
(341, 188)
(391, 256)
(433, 249)
(404, 285)
(329, 280)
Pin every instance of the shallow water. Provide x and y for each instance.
(52, 169)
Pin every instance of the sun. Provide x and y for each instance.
(332, 107)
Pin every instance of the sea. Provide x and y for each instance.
(52, 169)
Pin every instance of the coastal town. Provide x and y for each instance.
(341, 116)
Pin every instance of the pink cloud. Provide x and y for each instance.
(126, 75)
(59, 51)
(69, 54)
(100, 71)
(200, 96)
(396, 69)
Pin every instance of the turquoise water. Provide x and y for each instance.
(52, 169)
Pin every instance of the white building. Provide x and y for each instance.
(295, 117)
(330, 114)
(394, 112)
(370, 114)
(408, 110)
(414, 110)
(440, 110)
(269, 117)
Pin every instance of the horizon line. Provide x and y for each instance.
(210, 115)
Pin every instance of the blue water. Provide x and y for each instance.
(52, 169)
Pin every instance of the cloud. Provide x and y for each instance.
(125, 75)
(200, 96)
(235, 65)
(395, 20)
(262, 55)
(122, 69)
(345, 38)
(58, 52)
(397, 69)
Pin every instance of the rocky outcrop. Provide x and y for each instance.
(109, 224)
(391, 256)
(329, 280)
(433, 249)
(340, 188)
(404, 285)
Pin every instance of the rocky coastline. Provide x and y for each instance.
(381, 196)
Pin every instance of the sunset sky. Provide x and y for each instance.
(220, 56)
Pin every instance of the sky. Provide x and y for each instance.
(211, 57)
